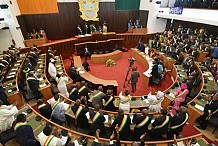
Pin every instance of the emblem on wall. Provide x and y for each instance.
(89, 9)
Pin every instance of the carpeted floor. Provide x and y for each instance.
(119, 72)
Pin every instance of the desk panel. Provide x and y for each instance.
(102, 58)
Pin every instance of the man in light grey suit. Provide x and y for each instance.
(134, 78)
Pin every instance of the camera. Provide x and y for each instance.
(131, 61)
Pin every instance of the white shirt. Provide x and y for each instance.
(54, 142)
(7, 116)
(52, 70)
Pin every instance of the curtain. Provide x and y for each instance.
(127, 4)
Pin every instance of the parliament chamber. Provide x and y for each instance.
(181, 55)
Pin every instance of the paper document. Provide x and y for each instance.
(87, 115)
(81, 72)
(152, 121)
(172, 95)
(66, 106)
(106, 119)
(201, 108)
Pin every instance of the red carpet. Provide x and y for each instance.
(119, 71)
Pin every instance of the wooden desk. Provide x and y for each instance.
(199, 100)
(143, 60)
(98, 46)
(38, 42)
(61, 69)
(102, 58)
(93, 37)
(11, 82)
(92, 79)
(170, 96)
(201, 56)
(44, 85)
(140, 30)
(167, 61)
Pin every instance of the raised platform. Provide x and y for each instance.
(102, 58)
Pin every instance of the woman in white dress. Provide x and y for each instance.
(155, 101)
(125, 101)
(61, 84)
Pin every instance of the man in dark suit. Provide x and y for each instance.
(191, 68)
(98, 120)
(44, 109)
(160, 125)
(86, 52)
(123, 122)
(134, 78)
(34, 85)
(177, 122)
(73, 92)
(142, 122)
(25, 135)
(210, 110)
(81, 120)
(83, 91)
(98, 97)
(109, 101)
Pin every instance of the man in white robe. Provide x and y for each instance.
(52, 69)
(61, 84)
(7, 115)
(155, 101)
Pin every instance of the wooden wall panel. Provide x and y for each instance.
(37, 6)
(63, 25)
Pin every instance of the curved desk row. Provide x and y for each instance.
(90, 78)
(39, 125)
(196, 106)
(11, 81)
(102, 58)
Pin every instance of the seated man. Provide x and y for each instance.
(33, 84)
(58, 110)
(25, 135)
(44, 109)
(210, 111)
(160, 125)
(7, 115)
(123, 121)
(81, 120)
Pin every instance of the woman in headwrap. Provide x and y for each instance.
(125, 101)
(155, 101)
(180, 95)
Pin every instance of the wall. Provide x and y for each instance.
(153, 24)
(5, 39)
(63, 25)
(10, 18)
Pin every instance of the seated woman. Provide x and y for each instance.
(180, 96)
(124, 101)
